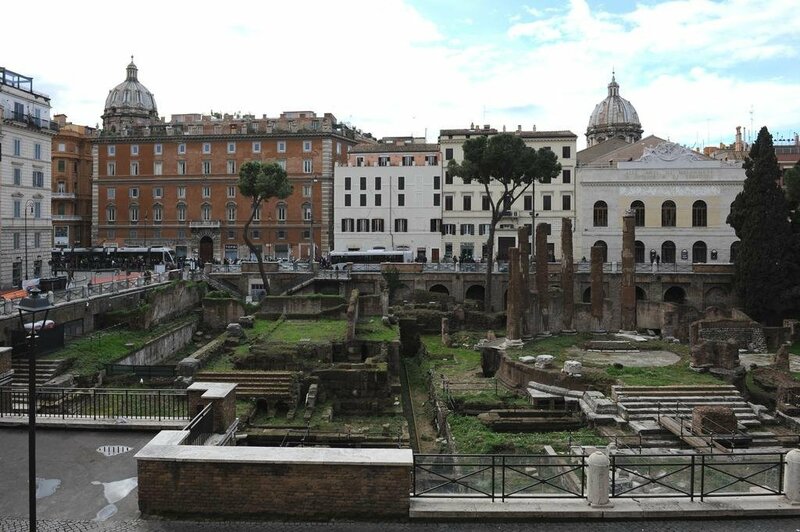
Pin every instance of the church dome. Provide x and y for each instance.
(130, 103)
(614, 117)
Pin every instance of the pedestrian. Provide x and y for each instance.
(658, 259)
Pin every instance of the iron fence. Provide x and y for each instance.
(200, 427)
(499, 476)
(96, 403)
(142, 371)
(697, 475)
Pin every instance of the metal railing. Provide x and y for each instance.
(96, 403)
(142, 371)
(200, 427)
(499, 476)
(697, 475)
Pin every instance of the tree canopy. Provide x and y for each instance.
(260, 182)
(766, 277)
(506, 161)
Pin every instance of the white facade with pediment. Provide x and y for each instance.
(694, 230)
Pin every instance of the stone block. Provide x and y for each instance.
(573, 368)
(546, 361)
(188, 367)
(247, 322)
(234, 330)
(713, 419)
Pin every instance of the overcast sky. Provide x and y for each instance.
(693, 69)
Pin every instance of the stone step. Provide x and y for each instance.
(652, 410)
(683, 405)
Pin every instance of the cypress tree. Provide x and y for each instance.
(766, 274)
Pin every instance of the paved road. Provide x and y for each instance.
(748, 525)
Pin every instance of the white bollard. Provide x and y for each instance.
(791, 476)
(597, 485)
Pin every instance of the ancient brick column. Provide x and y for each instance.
(524, 269)
(513, 299)
(541, 276)
(567, 276)
(628, 295)
(596, 278)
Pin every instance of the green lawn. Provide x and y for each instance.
(292, 331)
(375, 330)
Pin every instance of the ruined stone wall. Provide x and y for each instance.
(300, 305)
(218, 313)
(746, 337)
(162, 347)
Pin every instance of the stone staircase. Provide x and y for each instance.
(269, 385)
(45, 370)
(224, 287)
(640, 404)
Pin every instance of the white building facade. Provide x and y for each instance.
(466, 212)
(26, 229)
(389, 196)
(680, 198)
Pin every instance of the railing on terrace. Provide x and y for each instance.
(201, 427)
(226, 268)
(499, 476)
(697, 475)
(96, 403)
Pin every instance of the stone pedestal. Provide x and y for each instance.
(791, 476)
(573, 368)
(597, 484)
(544, 361)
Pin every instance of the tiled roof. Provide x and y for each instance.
(394, 148)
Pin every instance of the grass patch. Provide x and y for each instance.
(375, 330)
(292, 331)
(472, 437)
(678, 373)
(222, 363)
(795, 348)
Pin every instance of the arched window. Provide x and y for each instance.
(668, 252)
(111, 213)
(180, 212)
(668, 214)
(133, 213)
(638, 251)
(231, 211)
(638, 213)
(158, 213)
(600, 214)
(699, 214)
(602, 244)
(280, 212)
(699, 251)
(735, 250)
(306, 212)
(205, 212)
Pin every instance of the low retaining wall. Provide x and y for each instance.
(162, 347)
(246, 482)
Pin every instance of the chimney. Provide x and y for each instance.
(738, 147)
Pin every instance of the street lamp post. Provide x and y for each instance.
(28, 207)
(32, 305)
(311, 225)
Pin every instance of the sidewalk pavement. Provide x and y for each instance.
(122, 423)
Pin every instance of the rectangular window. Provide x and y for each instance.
(135, 168)
(338, 148)
(231, 167)
(231, 191)
(527, 202)
(566, 175)
(281, 146)
(17, 176)
(133, 192)
(158, 167)
(158, 149)
(256, 234)
(448, 154)
(347, 200)
(362, 200)
(377, 183)
(206, 167)
(448, 179)
(37, 241)
(467, 229)
(448, 229)
(383, 161)
(431, 160)
(377, 200)
(566, 203)
(408, 160)
(37, 151)
(401, 225)
(485, 203)
(307, 146)
(401, 200)
(17, 147)
(362, 225)
(38, 178)
(37, 209)
(401, 183)
(158, 192)
(111, 150)
(377, 225)
(181, 192)
(181, 167)
(17, 208)
(437, 182)
(16, 240)
(347, 183)
(62, 165)
(565, 152)
(436, 225)
(308, 166)
(206, 192)
(181, 148)
(362, 183)
(256, 147)
(448, 203)
(181, 212)
(437, 200)
(467, 203)
(206, 147)
(134, 149)
(547, 202)
(483, 229)
(111, 169)
(111, 193)
(348, 225)
(231, 147)
(306, 191)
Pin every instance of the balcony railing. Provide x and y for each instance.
(204, 223)
(67, 217)
(64, 195)
(33, 121)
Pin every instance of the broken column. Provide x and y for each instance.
(523, 235)
(541, 276)
(513, 300)
(628, 295)
(567, 276)
(596, 278)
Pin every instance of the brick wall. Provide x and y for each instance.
(274, 490)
